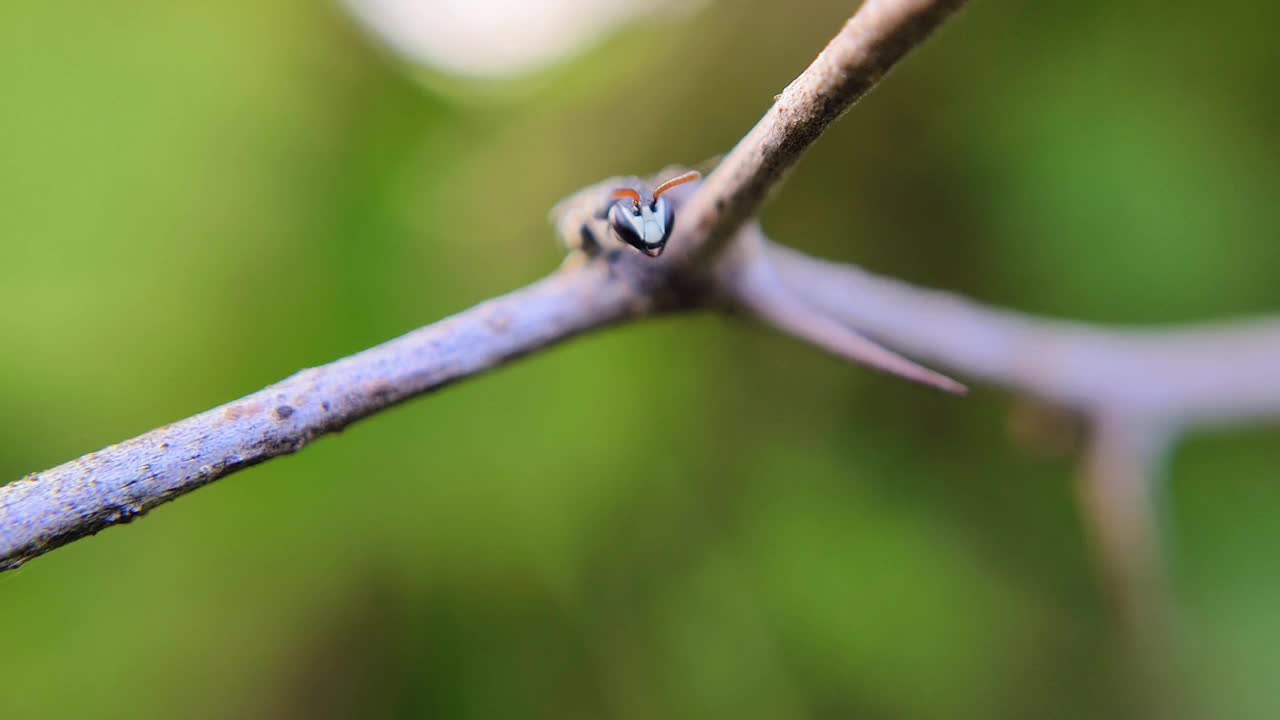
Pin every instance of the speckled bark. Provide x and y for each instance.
(117, 484)
(868, 45)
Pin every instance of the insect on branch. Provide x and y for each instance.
(115, 485)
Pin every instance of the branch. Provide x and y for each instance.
(868, 45)
(114, 485)
(1119, 476)
(46, 510)
(1199, 375)
(1137, 388)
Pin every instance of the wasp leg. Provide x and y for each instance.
(583, 251)
(590, 245)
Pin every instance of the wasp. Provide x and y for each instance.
(627, 210)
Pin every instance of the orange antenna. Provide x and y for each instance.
(677, 180)
(621, 193)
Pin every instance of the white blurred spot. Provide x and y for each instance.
(499, 37)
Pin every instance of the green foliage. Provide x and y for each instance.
(689, 518)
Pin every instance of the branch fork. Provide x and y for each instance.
(708, 268)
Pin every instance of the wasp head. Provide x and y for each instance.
(643, 220)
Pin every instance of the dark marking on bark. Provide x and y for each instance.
(235, 411)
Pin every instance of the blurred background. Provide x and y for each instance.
(198, 199)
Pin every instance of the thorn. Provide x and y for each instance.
(839, 340)
(858, 348)
(779, 308)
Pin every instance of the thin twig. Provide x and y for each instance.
(869, 44)
(1121, 472)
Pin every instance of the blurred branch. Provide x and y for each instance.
(1119, 476)
(1136, 387)
(1196, 375)
(46, 510)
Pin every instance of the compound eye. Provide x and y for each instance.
(624, 228)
